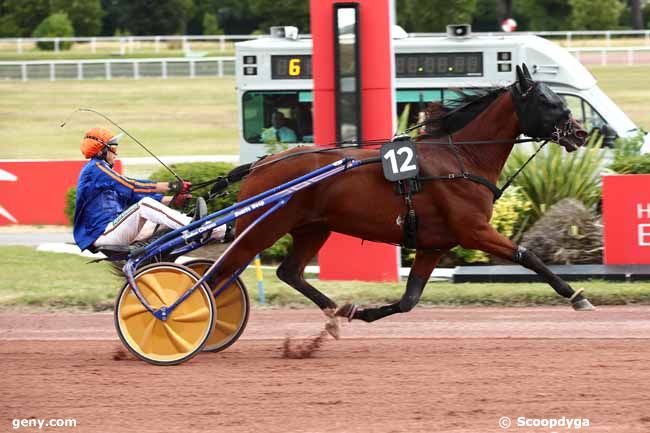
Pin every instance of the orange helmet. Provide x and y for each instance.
(96, 140)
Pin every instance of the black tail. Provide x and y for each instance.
(235, 175)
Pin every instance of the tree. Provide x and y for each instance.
(433, 15)
(56, 25)
(85, 15)
(211, 25)
(538, 15)
(595, 14)
(281, 13)
(20, 17)
(156, 17)
(485, 17)
(637, 15)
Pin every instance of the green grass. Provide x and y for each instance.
(51, 280)
(182, 115)
(172, 117)
(629, 88)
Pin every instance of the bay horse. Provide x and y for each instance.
(477, 137)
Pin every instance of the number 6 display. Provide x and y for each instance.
(399, 160)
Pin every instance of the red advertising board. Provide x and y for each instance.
(626, 219)
(33, 192)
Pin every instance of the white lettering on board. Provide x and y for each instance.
(644, 235)
(641, 211)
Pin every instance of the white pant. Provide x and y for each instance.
(140, 220)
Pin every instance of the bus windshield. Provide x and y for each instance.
(275, 117)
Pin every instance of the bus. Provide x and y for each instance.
(274, 83)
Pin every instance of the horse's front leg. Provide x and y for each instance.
(423, 265)
(489, 240)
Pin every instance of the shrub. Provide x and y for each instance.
(56, 25)
(70, 198)
(555, 174)
(201, 172)
(635, 164)
(568, 233)
(508, 217)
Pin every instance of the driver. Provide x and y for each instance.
(112, 209)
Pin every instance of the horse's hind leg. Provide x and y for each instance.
(489, 240)
(306, 243)
(423, 265)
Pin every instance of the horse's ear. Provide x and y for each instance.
(526, 72)
(521, 79)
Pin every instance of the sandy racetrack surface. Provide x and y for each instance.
(431, 370)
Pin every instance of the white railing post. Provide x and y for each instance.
(80, 71)
(608, 38)
(220, 68)
(56, 45)
(222, 43)
(52, 72)
(93, 45)
(164, 69)
(568, 39)
(19, 45)
(136, 70)
(192, 69)
(107, 70)
(23, 71)
(156, 44)
(122, 47)
(647, 37)
(185, 44)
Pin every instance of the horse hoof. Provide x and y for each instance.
(332, 327)
(347, 311)
(583, 305)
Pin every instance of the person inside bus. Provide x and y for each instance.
(278, 132)
(112, 209)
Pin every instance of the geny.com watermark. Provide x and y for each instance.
(41, 423)
(551, 423)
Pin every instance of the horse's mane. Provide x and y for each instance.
(443, 119)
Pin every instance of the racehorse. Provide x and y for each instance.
(461, 156)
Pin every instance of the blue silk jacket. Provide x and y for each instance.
(103, 194)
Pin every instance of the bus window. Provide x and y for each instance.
(273, 117)
(583, 112)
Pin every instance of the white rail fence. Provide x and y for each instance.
(109, 69)
(132, 44)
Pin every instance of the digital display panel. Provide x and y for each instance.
(439, 65)
(406, 65)
(290, 67)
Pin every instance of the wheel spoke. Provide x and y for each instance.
(152, 283)
(226, 327)
(179, 342)
(146, 336)
(227, 297)
(198, 315)
(128, 311)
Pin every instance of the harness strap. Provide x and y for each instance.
(496, 191)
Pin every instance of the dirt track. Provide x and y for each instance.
(432, 370)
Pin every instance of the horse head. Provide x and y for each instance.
(542, 113)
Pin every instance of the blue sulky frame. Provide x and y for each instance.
(191, 236)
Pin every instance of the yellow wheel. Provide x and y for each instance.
(232, 307)
(187, 328)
